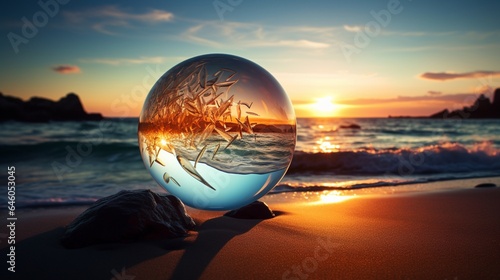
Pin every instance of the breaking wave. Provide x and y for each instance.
(434, 159)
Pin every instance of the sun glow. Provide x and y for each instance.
(324, 107)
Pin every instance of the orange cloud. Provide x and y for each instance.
(66, 69)
(446, 98)
(443, 76)
(434, 93)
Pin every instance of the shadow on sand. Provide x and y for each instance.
(216, 232)
(43, 257)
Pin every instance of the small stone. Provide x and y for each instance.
(128, 216)
(254, 210)
(486, 185)
(351, 126)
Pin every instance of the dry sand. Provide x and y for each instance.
(430, 235)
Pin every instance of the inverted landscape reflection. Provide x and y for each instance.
(215, 121)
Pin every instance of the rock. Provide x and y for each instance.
(351, 126)
(68, 108)
(263, 128)
(486, 185)
(10, 107)
(128, 216)
(254, 210)
(482, 108)
(440, 115)
(496, 101)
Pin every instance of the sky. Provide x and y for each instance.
(333, 58)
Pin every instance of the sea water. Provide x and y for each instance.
(384, 152)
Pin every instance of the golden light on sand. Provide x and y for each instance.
(333, 197)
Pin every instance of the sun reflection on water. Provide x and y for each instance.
(324, 145)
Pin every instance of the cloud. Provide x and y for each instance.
(484, 89)
(418, 33)
(301, 102)
(481, 35)
(66, 69)
(115, 13)
(444, 76)
(321, 30)
(296, 44)
(445, 99)
(352, 28)
(103, 27)
(102, 18)
(115, 21)
(441, 47)
(400, 33)
(125, 61)
(221, 34)
(434, 93)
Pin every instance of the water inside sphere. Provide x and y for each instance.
(217, 131)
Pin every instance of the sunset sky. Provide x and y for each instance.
(333, 58)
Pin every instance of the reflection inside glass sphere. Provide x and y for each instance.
(217, 131)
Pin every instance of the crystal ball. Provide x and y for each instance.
(217, 131)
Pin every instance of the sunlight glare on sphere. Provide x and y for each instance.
(217, 131)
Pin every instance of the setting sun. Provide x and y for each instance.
(324, 107)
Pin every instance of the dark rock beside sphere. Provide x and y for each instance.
(127, 216)
(254, 210)
(486, 185)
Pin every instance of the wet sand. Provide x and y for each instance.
(453, 234)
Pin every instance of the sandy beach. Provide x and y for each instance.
(453, 234)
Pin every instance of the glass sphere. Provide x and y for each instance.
(217, 131)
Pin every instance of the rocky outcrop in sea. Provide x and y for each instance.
(37, 109)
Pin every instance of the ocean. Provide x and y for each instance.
(71, 163)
